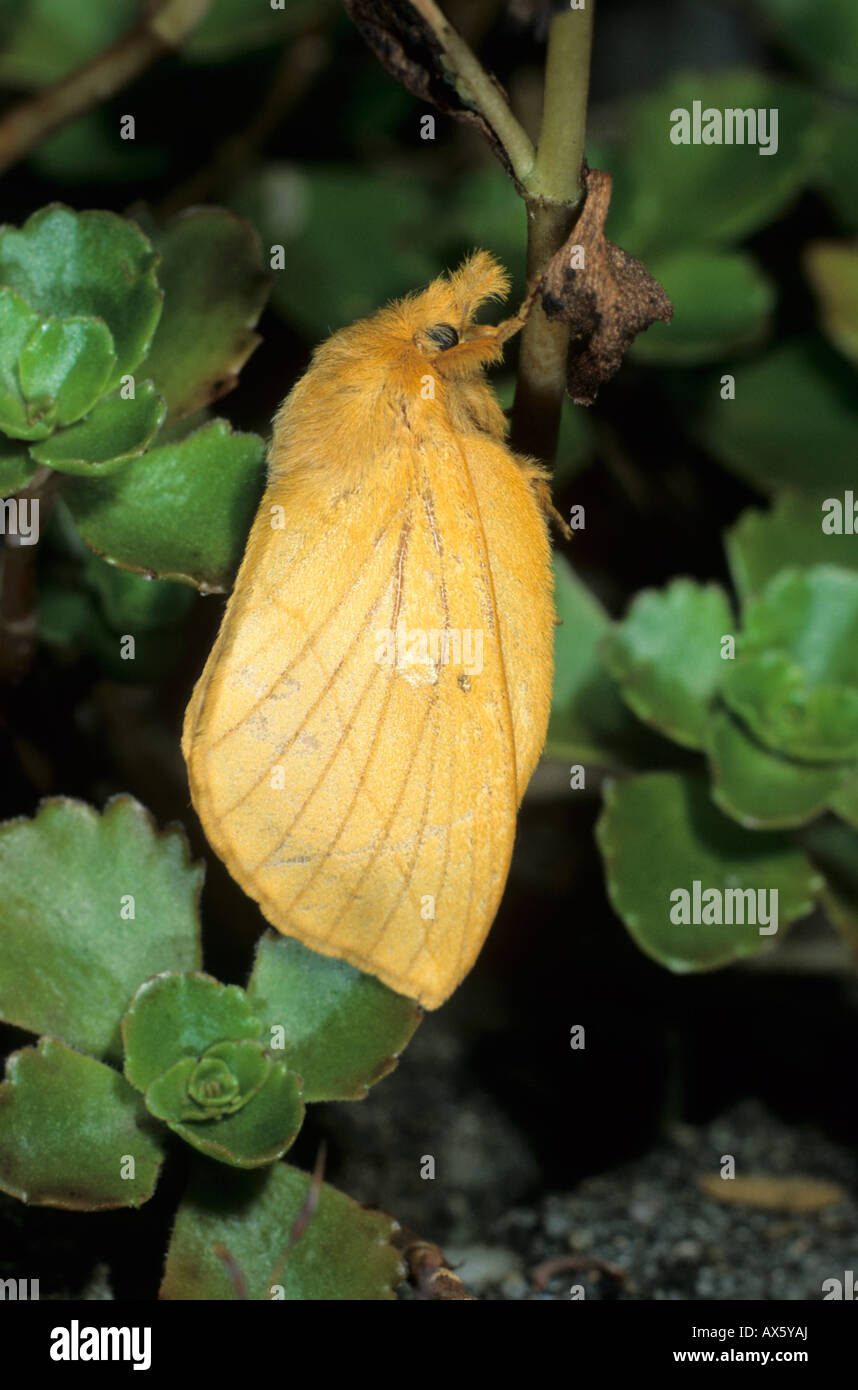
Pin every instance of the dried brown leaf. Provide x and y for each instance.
(767, 1193)
(606, 302)
(404, 41)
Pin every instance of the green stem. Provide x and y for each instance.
(553, 194)
(557, 172)
(478, 90)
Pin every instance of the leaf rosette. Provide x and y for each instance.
(192, 1048)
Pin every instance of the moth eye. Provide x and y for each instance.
(443, 335)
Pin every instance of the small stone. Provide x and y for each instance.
(580, 1240)
(514, 1287)
(479, 1266)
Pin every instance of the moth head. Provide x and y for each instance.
(437, 324)
(433, 330)
(440, 319)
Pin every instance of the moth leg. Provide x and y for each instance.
(540, 482)
(542, 488)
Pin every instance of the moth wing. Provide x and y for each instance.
(359, 781)
(519, 553)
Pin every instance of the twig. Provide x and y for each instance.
(540, 1276)
(157, 33)
(553, 194)
(477, 89)
(429, 1271)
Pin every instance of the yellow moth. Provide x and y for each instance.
(378, 695)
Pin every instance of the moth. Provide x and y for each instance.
(378, 695)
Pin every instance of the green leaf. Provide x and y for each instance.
(341, 1029)
(721, 303)
(666, 655)
(233, 1104)
(115, 432)
(837, 172)
(77, 618)
(66, 616)
(174, 1016)
(17, 324)
(186, 1032)
(677, 196)
(69, 263)
(773, 696)
(351, 240)
(68, 1127)
(183, 512)
(71, 955)
(834, 850)
(659, 834)
(589, 722)
(760, 789)
(482, 208)
(832, 268)
(215, 289)
(232, 27)
(218, 1083)
(16, 467)
(258, 1134)
(65, 366)
(844, 802)
(90, 150)
(795, 678)
(792, 422)
(823, 38)
(132, 603)
(45, 39)
(344, 1252)
(761, 544)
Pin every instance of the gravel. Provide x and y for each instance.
(651, 1234)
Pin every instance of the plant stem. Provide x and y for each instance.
(159, 32)
(479, 90)
(557, 172)
(553, 193)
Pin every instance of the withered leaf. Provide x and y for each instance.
(795, 1195)
(606, 302)
(403, 39)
